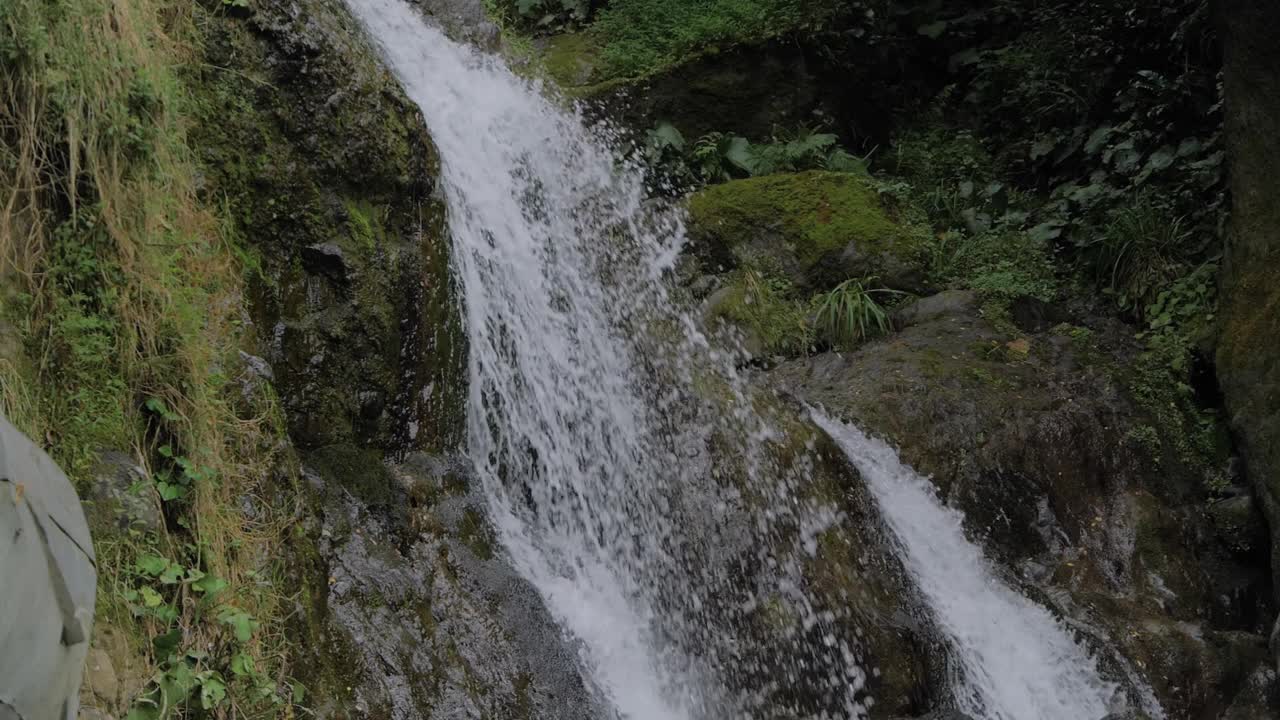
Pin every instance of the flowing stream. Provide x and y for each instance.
(1016, 660)
(592, 402)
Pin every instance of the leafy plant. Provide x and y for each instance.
(851, 312)
(1136, 254)
(719, 157)
(544, 14)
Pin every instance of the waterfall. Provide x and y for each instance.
(1016, 660)
(584, 418)
(590, 420)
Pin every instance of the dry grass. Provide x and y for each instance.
(128, 297)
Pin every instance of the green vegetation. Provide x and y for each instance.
(810, 213)
(128, 318)
(766, 307)
(850, 313)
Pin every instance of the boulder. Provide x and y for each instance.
(1038, 441)
(815, 229)
(120, 496)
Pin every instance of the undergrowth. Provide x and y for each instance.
(124, 300)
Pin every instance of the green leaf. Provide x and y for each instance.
(167, 643)
(151, 598)
(171, 491)
(172, 574)
(242, 665)
(1046, 231)
(665, 135)
(152, 565)
(299, 692)
(738, 152)
(210, 585)
(1043, 147)
(240, 622)
(212, 691)
(1097, 140)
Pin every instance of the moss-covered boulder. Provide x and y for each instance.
(749, 90)
(813, 228)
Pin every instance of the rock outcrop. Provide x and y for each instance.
(1248, 358)
(1062, 476)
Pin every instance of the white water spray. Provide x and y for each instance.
(587, 436)
(590, 441)
(1016, 660)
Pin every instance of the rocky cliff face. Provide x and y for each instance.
(1247, 357)
(404, 609)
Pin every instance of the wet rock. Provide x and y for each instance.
(1258, 700)
(1036, 442)
(463, 20)
(333, 176)
(120, 495)
(1248, 356)
(749, 90)
(1239, 523)
(1033, 315)
(943, 715)
(326, 259)
(415, 612)
(948, 303)
(851, 571)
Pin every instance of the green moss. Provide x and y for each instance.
(359, 470)
(811, 214)
(367, 225)
(1185, 434)
(571, 59)
(474, 532)
(766, 309)
(641, 36)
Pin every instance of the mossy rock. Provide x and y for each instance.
(572, 59)
(329, 174)
(813, 228)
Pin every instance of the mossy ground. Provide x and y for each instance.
(811, 213)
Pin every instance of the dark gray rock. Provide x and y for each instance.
(463, 20)
(326, 259)
(119, 495)
(434, 621)
(1239, 522)
(948, 303)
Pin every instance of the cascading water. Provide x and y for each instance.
(589, 422)
(583, 422)
(1016, 661)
